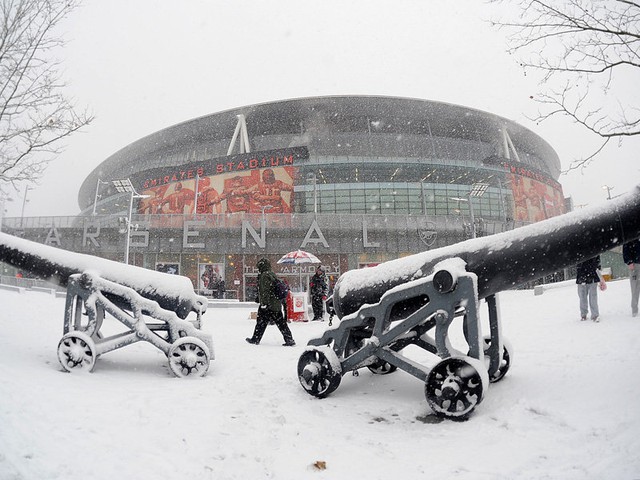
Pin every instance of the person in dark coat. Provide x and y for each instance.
(319, 288)
(270, 309)
(588, 279)
(221, 288)
(631, 256)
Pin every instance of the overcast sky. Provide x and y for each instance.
(144, 65)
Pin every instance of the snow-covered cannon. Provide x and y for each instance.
(155, 307)
(412, 301)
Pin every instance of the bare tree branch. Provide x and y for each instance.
(589, 48)
(35, 116)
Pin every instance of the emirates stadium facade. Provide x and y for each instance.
(355, 180)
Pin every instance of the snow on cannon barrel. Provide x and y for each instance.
(156, 307)
(172, 292)
(505, 260)
(384, 309)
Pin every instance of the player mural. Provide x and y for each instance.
(177, 199)
(533, 200)
(208, 197)
(273, 192)
(536, 196)
(235, 195)
(152, 205)
(180, 199)
(241, 183)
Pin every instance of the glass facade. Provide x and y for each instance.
(401, 186)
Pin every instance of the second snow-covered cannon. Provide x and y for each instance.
(155, 307)
(414, 300)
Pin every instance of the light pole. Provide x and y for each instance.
(472, 218)
(608, 189)
(196, 194)
(123, 186)
(502, 203)
(263, 223)
(459, 199)
(3, 198)
(477, 190)
(458, 210)
(264, 218)
(24, 202)
(314, 181)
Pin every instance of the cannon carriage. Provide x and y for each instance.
(154, 307)
(420, 314)
(414, 301)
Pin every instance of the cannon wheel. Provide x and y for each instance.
(77, 351)
(188, 356)
(319, 371)
(506, 359)
(455, 386)
(380, 367)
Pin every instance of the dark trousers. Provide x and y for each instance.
(316, 304)
(264, 317)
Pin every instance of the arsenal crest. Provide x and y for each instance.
(428, 233)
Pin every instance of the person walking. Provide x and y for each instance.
(631, 256)
(588, 279)
(319, 289)
(270, 309)
(284, 299)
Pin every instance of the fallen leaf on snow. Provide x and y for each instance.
(319, 465)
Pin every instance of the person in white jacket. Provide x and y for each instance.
(631, 256)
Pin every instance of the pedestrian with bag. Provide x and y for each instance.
(270, 308)
(588, 279)
(631, 256)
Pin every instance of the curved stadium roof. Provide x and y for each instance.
(319, 123)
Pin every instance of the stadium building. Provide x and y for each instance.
(355, 180)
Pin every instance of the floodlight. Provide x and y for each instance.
(478, 189)
(123, 186)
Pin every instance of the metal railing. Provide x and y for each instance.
(22, 282)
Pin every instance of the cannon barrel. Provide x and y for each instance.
(171, 292)
(505, 260)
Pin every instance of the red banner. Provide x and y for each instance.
(270, 189)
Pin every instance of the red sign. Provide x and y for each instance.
(251, 183)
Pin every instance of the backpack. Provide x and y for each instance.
(281, 289)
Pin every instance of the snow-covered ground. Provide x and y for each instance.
(568, 408)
